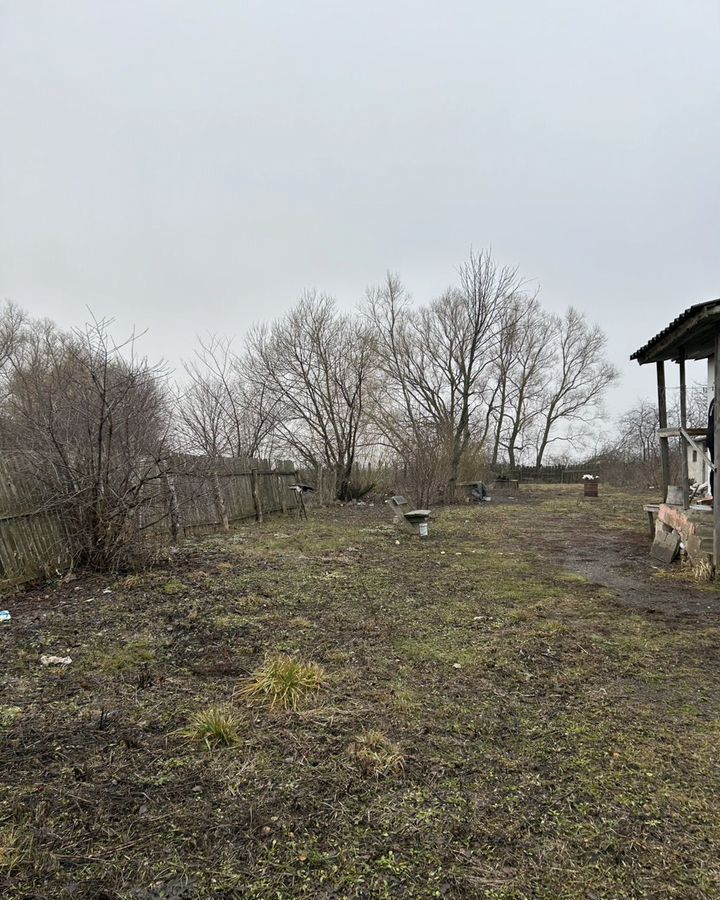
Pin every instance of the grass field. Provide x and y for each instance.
(519, 707)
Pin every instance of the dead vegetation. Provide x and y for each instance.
(481, 714)
(283, 682)
(215, 726)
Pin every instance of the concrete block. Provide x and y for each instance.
(666, 546)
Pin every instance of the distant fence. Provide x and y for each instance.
(548, 474)
(35, 538)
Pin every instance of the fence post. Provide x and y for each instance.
(256, 495)
(173, 507)
(219, 499)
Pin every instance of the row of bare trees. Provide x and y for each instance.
(482, 373)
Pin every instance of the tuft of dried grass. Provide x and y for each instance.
(283, 682)
(375, 754)
(13, 849)
(702, 569)
(216, 726)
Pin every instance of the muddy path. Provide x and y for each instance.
(619, 560)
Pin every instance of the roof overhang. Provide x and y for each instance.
(690, 336)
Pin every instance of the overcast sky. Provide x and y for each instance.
(192, 166)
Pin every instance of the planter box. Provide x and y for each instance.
(590, 488)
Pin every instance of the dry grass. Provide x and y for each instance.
(375, 754)
(702, 570)
(215, 726)
(13, 848)
(283, 682)
(564, 759)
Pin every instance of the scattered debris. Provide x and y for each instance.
(4, 615)
(55, 660)
(107, 591)
(457, 666)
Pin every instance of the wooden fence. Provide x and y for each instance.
(548, 474)
(35, 539)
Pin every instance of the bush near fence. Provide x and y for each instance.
(35, 535)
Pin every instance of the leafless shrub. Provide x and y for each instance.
(89, 419)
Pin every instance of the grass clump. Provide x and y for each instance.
(13, 848)
(216, 726)
(375, 754)
(702, 570)
(283, 682)
(8, 714)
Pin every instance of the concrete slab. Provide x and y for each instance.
(666, 546)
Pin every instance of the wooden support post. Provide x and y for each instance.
(662, 419)
(683, 441)
(716, 502)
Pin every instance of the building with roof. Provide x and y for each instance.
(693, 335)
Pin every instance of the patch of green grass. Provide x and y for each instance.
(172, 587)
(131, 655)
(283, 682)
(8, 714)
(234, 621)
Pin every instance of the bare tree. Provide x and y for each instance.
(521, 371)
(579, 381)
(13, 323)
(437, 359)
(221, 415)
(314, 364)
(638, 432)
(89, 419)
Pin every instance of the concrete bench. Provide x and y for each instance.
(417, 519)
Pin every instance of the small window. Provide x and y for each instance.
(694, 455)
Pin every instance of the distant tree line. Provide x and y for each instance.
(481, 374)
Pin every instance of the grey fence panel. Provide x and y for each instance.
(34, 538)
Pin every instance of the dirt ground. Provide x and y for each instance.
(551, 694)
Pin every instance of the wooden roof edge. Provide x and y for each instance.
(668, 343)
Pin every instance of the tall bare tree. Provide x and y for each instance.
(580, 378)
(437, 359)
(314, 364)
(527, 374)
